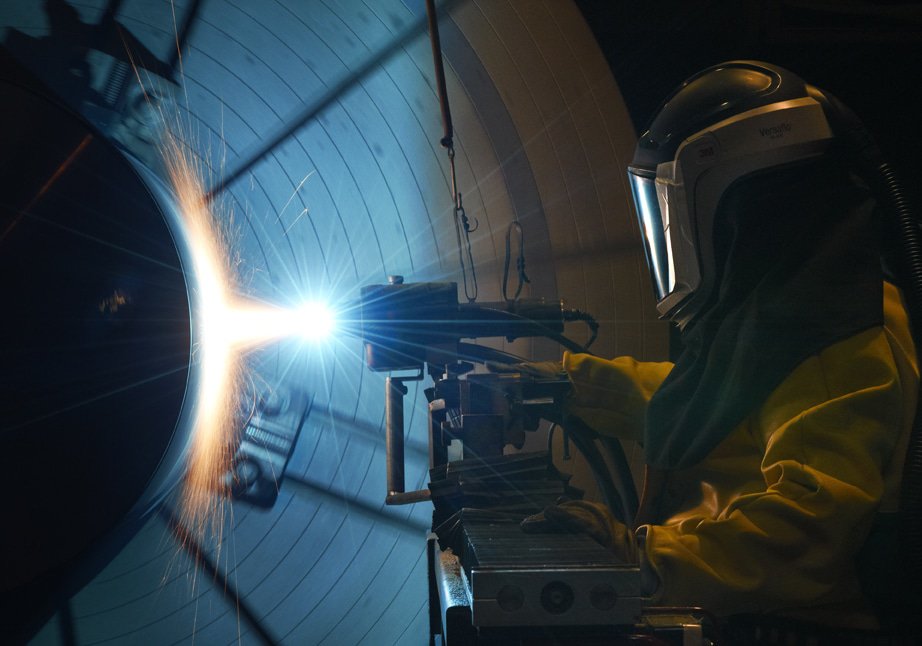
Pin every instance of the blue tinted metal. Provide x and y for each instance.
(654, 238)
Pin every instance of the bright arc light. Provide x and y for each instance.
(243, 324)
(315, 321)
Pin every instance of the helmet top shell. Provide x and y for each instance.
(709, 97)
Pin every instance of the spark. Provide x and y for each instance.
(295, 221)
(227, 326)
(220, 368)
(294, 194)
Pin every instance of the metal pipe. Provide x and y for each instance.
(439, 66)
(393, 428)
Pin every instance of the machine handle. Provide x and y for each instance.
(394, 391)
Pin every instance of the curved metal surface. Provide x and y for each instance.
(355, 192)
(97, 348)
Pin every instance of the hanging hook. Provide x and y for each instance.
(463, 226)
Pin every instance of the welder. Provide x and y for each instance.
(774, 444)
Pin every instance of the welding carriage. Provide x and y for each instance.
(489, 582)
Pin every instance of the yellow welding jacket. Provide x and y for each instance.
(772, 518)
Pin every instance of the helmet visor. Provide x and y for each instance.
(653, 215)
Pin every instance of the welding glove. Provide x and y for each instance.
(536, 369)
(591, 518)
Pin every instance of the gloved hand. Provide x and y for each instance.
(592, 518)
(537, 369)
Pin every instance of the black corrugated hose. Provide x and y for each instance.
(910, 248)
(894, 200)
(904, 225)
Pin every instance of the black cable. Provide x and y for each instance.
(911, 487)
(588, 319)
(546, 332)
(583, 437)
(622, 476)
(619, 478)
(864, 153)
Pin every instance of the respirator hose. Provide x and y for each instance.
(911, 257)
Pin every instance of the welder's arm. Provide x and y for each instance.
(826, 434)
(611, 395)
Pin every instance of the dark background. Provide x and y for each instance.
(866, 52)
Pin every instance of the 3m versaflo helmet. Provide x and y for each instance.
(726, 122)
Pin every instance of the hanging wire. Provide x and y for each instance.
(519, 262)
(463, 227)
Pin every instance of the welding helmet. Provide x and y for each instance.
(720, 126)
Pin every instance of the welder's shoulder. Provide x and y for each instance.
(873, 372)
